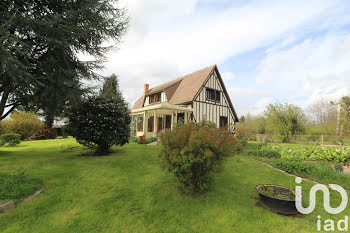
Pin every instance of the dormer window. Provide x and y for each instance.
(155, 98)
(213, 95)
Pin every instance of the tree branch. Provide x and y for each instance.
(8, 112)
(3, 101)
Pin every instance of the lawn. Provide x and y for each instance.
(128, 192)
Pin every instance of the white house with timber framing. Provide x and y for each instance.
(194, 97)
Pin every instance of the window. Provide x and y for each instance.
(140, 123)
(223, 121)
(211, 94)
(155, 98)
(151, 124)
(181, 117)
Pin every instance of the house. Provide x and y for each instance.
(194, 97)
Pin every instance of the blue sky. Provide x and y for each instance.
(267, 51)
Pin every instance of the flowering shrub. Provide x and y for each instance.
(99, 123)
(44, 133)
(11, 139)
(193, 151)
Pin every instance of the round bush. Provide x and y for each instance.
(193, 151)
(44, 133)
(12, 139)
(99, 123)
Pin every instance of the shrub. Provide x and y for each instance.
(133, 139)
(99, 123)
(11, 139)
(269, 153)
(23, 123)
(44, 133)
(2, 142)
(194, 151)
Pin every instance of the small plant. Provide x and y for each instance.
(299, 167)
(273, 191)
(269, 153)
(193, 152)
(44, 133)
(148, 140)
(17, 186)
(12, 139)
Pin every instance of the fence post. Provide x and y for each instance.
(322, 139)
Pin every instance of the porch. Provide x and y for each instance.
(153, 120)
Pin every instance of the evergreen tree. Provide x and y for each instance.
(39, 46)
(110, 88)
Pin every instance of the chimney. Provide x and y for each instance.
(145, 89)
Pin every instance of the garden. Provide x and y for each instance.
(68, 163)
(127, 191)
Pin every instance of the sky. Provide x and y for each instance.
(266, 51)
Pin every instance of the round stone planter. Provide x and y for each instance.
(275, 202)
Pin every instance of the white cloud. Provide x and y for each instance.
(312, 69)
(168, 39)
(228, 76)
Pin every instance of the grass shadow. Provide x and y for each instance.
(111, 152)
(257, 203)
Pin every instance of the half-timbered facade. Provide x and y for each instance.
(194, 97)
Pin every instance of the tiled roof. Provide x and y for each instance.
(180, 90)
(183, 89)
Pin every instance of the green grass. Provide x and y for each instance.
(15, 187)
(128, 192)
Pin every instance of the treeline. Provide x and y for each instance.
(283, 121)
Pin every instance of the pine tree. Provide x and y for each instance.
(110, 88)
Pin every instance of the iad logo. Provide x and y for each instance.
(326, 197)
